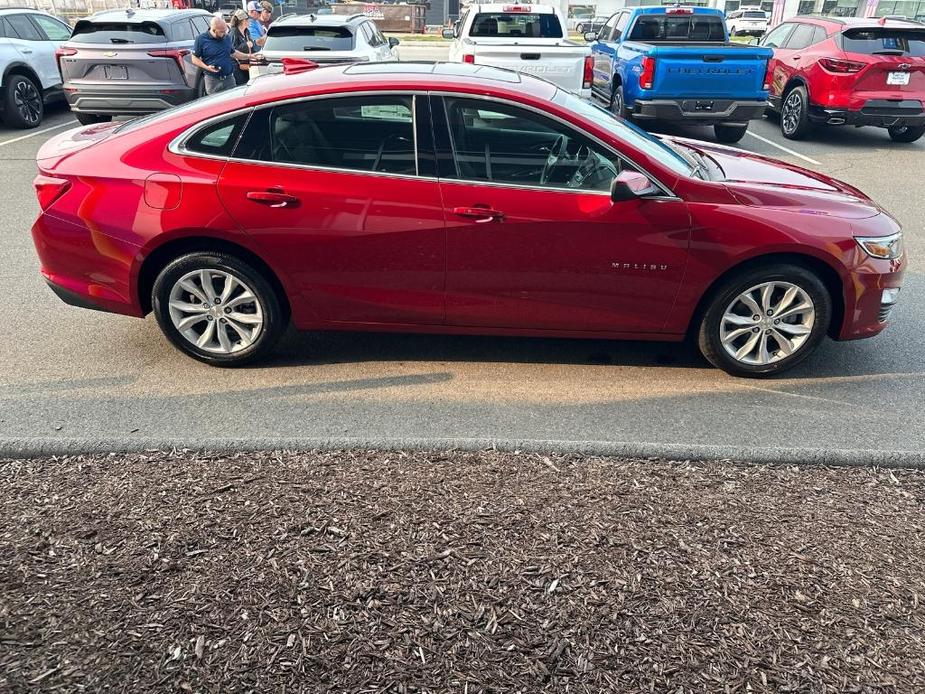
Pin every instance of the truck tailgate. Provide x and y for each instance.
(561, 63)
(716, 72)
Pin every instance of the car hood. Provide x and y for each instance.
(769, 183)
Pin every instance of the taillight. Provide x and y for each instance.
(768, 78)
(840, 66)
(178, 54)
(647, 76)
(589, 73)
(469, 58)
(63, 53)
(48, 189)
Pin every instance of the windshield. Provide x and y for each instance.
(754, 15)
(283, 38)
(885, 41)
(627, 132)
(501, 25)
(679, 27)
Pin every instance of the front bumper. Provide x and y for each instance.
(879, 113)
(700, 110)
(133, 101)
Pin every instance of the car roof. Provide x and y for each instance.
(400, 76)
(131, 15)
(856, 22)
(300, 20)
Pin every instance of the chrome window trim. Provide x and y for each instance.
(481, 97)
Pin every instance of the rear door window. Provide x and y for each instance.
(516, 25)
(181, 31)
(23, 28)
(312, 38)
(201, 24)
(801, 37)
(885, 41)
(622, 21)
(52, 28)
(87, 31)
(678, 27)
(219, 138)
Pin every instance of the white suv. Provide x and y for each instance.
(324, 39)
(30, 76)
(747, 20)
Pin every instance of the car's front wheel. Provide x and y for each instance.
(906, 133)
(217, 309)
(766, 320)
(24, 106)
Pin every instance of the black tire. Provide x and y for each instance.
(906, 133)
(270, 306)
(580, 28)
(794, 114)
(91, 118)
(618, 102)
(23, 105)
(728, 133)
(709, 339)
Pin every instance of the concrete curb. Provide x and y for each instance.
(45, 447)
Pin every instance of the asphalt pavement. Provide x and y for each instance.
(71, 376)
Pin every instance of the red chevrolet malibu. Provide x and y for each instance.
(453, 198)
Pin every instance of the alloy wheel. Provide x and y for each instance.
(767, 323)
(28, 101)
(215, 311)
(618, 102)
(792, 112)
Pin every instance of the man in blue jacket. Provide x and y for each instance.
(255, 27)
(214, 53)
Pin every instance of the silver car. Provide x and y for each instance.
(330, 38)
(131, 62)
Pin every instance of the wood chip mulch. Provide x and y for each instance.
(457, 572)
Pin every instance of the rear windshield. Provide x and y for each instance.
(118, 32)
(885, 41)
(535, 26)
(681, 27)
(756, 14)
(309, 39)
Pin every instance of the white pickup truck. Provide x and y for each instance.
(525, 38)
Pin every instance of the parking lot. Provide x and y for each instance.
(67, 373)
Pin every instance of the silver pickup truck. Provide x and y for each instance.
(525, 38)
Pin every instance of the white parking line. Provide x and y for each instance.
(37, 132)
(784, 149)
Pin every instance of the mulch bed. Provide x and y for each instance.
(457, 572)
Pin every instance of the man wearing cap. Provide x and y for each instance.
(256, 28)
(215, 54)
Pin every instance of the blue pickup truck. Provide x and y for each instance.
(677, 64)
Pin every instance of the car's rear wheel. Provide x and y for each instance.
(91, 118)
(794, 114)
(217, 309)
(618, 102)
(765, 320)
(906, 133)
(24, 107)
(728, 133)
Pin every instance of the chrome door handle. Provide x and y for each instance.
(480, 214)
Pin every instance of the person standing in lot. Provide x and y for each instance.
(256, 28)
(242, 43)
(266, 14)
(214, 52)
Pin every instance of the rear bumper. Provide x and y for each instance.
(879, 113)
(700, 110)
(110, 101)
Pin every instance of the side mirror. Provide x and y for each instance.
(449, 34)
(629, 185)
(393, 42)
(590, 36)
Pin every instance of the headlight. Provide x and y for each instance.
(885, 247)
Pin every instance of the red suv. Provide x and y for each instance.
(453, 198)
(831, 71)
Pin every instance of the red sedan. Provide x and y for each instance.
(453, 198)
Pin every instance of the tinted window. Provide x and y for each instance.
(23, 28)
(754, 15)
(3, 29)
(622, 21)
(54, 30)
(885, 41)
(357, 133)
(292, 38)
(776, 37)
(201, 23)
(219, 138)
(87, 31)
(181, 31)
(545, 26)
(678, 27)
(506, 144)
(818, 35)
(801, 37)
(608, 27)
